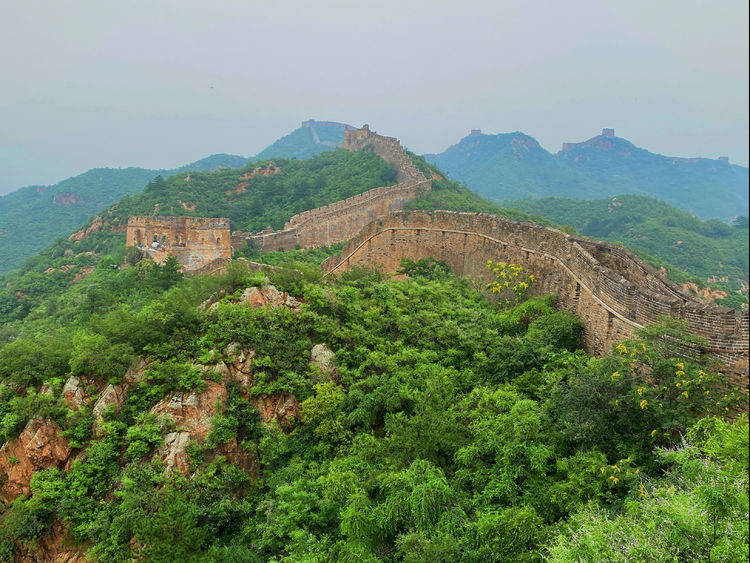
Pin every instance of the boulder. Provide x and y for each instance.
(324, 359)
(39, 446)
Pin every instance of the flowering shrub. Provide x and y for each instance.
(511, 282)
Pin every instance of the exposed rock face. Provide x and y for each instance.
(136, 372)
(67, 198)
(323, 358)
(192, 412)
(173, 452)
(74, 393)
(54, 545)
(96, 225)
(268, 295)
(280, 408)
(40, 446)
(112, 395)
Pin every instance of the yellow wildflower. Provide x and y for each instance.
(653, 433)
(685, 394)
(615, 375)
(643, 404)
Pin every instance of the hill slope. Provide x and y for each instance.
(32, 217)
(253, 198)
(311, 138)
(279, 416)
(513, 166)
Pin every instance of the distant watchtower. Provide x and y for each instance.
(608, 132)
(724, 159)
(475, 132)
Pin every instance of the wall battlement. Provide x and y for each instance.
(611, 290)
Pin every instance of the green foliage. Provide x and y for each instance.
(698, 511)
(93, 355)
(450, 429)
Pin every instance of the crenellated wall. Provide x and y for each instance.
(611, 290)
(340, 221)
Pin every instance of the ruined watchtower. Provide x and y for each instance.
(194, 241)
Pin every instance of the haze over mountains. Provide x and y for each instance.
(514, 165)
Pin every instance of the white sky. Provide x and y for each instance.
(87, 83)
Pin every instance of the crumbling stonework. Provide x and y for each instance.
(611, 290)
(194, 241)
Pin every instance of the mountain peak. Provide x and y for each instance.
(604, 141)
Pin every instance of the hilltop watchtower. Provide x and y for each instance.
(194, 241)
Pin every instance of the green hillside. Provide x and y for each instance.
(251, 200)
(32, 217)
(312, 138)
(436, 426)
(513, 166)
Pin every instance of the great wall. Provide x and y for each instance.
(611, 290)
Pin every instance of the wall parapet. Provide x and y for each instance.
(611, 290)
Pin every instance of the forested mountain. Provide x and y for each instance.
(711, 249)
(254, 197)
(513, 166)
(32, 217)
(312, 138)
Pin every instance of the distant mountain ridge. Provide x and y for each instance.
(310, 138)
(511, 166)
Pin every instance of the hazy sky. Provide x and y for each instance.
(87, 83)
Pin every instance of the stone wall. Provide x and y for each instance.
(340, 221)
(194, 241)
(608, 288)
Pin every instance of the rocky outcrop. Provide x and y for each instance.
(74, 393)
(112, 395)
(191, 414)
(268, 295)
(173, 452)
(322, 358)
(136, 372)
(39, 446)
(67, 199)
(54, 545)
(280, 408)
